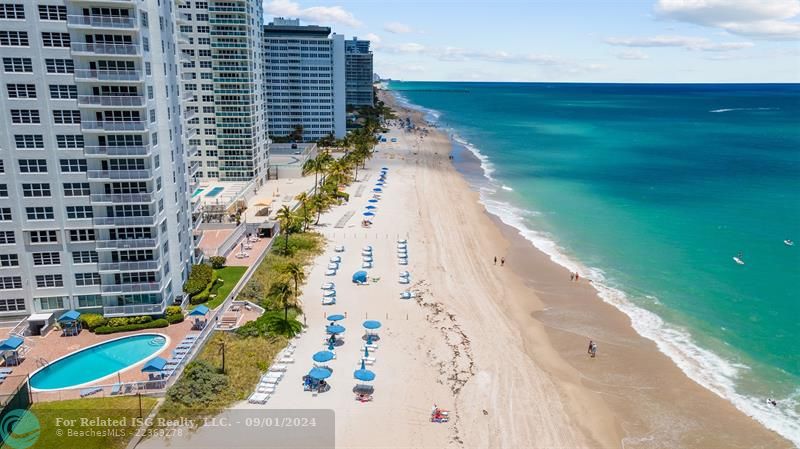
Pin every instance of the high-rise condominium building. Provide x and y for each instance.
(358, 72)
(220, 43)
(305, 79)
(94, 203)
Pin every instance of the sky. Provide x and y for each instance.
(568, 40)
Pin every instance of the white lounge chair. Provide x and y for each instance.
(403, 261)
(329, 293)
(333, 266)
(366, 259)
(330, 273)
(270, 382)
(339, 249)
(335, 259)
(406, 295)
(272, 375)
(278, 368)
(286, 359)
(403, 281)
(402, 241)
(367, 248)
(258, 398)
(366, 253)
(368, 360)
(266, 389)
(366, 265)
(328, 286)
(371, 347)
(404, 274)
(329, 301)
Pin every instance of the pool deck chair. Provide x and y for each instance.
(90, 391)
(6, 370)
(116, 389)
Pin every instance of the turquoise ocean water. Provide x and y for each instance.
(651, 190)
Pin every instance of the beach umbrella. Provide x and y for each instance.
(155, 364)
(372, 324)
(377, 189)
(335, 329)
(369, 214)
(200, 310)
(320, 373)
(335, 317)
(371, 207)
(372, 200)
(364, 374)
(323, 356)
(360, 276)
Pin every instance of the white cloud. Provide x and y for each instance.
(398, 28)
(373, 38)
(689, 43)
(762, 19)
(320, 15)
(632, 55)
(406, 48)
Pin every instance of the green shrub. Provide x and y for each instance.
(199, 277)
(92, 321)
(173, 310)
(175, 318)
(198, 386)
(217, 262)
(103, 330)
(205, 294)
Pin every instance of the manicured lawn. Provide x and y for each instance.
(53, 418)
(229, 277)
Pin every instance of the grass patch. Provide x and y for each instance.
(245, 360)
(230, 277)
(118, 408)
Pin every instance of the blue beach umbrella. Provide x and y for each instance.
(364, 374)
(200, 310)
(323, 356)
(156, 364)
(336, 317)
(377, 189)
(360, 277)
(334, 329)
(369, 214)
(371, 207)
(372, 324)
(372, 200)
(320, 373)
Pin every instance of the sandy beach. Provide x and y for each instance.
(502, 347)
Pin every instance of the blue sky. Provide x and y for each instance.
(569, 40)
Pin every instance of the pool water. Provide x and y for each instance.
(215, 191)
(197, 192)
(97, 362)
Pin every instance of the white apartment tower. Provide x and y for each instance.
(305, 79)
(94, 188)
(222, 69)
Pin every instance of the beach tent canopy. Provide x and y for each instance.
(323, 356)
(372, 324)
(320, 373)
(11, 344)
(154, 365)
(200, 310)
(364, 374)
(334, 329)
(360, 276)
(336, 317)
(72, 315)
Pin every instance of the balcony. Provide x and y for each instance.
(149, 265)
(109, 76)
(187, 95)
(194, 167)
(123, 198)
(111, 101)
(124, 221)
(141, 287)
(193, 151)
(119, 175)
(111, 245)
(137, 309)
(105, 151)
(114, 126)
(110, 22)
(87, 49)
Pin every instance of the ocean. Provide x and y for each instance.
(651, 190)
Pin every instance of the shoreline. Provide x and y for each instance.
(656, 399)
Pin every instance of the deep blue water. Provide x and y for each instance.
(652, 189)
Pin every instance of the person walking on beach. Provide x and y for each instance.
(495, 260)
(502, 261)
(577, 277)
(571, 276)
(592, 351)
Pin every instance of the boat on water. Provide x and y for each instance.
(788, 242)
(738, 259)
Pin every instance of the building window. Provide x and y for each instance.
(66, 117)
(36, 190)
(53, 12)
(5, 214)
(81, 235)
(40, 213)
(73, 165)
(13, 39)
(63, 92)
(44, 259)
(90, 300)
(3, 190)
(87, 279)
(33, 166)
(25, 116)
(51, 303)
(48, 236)
(69, 141)
(21, 90)
(76, 189)
(12, 305)
(17, 65)
(79, 212)
(7, 238)
(56, 66)
(28, 141)
(9, 260)
(55, 40)
(10, 282)
(49, 280)
(82, 257)
(12, 12)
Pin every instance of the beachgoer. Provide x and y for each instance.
(495, 260)
(577, 277)
(571, 276)
(592, 348)
(502, 261)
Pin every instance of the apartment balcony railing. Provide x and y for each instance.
(187, 95)
(123, 198)
(126, 244)
(241, 9)
(193, 150)
(105, 49)
(112, 101)
(142, 287)
(149, 265)
(114, 126)
(227, 21)
(118, 175)
(124, 221)
(137, 309)
(194, 167)
(113, 22)
(105, 151)
(107, 76)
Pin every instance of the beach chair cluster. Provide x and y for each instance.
(328, 294)
(180, 352)
(4, 373)
(333, 265)
(270, 380)
(366, 257)
(402, 252)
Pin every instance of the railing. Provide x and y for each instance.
(114, 126)
(111, 100)
(123, 198)
(108, 75)
(147, 265)
(119, 174)
(102, 21)
(229, 243)
(116, 151)
(127, 244)
(136, 309)
(124, 221)
(142, 287)
(106, 49)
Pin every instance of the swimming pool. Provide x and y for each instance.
(197, 192)
(215, 191)
(96, 362)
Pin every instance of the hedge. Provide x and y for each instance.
(92, 321)
(217, 262)
(199, 277)
(103, 330)
(205, 294)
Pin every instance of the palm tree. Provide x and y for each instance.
(281, 292)
(319, 203)
(315, 165)
(303, 198)
(285, 219)
(295, 271)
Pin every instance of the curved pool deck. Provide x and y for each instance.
(98, 361)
